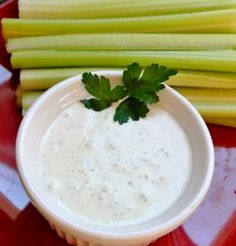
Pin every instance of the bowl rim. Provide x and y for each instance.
(158, 230)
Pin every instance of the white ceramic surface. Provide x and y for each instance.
(49, 106)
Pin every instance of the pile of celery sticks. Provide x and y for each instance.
(53, 40)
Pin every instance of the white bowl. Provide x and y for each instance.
(50, 105)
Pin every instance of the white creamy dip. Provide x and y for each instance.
(110, 174)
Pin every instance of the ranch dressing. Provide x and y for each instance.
(110, 174)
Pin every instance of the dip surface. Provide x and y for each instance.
(110, 174)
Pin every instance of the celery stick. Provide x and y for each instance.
(122, 41)
(221, 61)
(219, 21)
(215, 113)
(41, 79)
(211, 102)
(204, 79)
(199, 99)
(216, 109)
(222, 121)
(19, 96)
(198, 94)
(116, 8)
(28, 99)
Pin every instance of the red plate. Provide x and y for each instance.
(214, 222)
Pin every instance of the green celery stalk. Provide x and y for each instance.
(219, 21)
(19, 92)
(222, 121)
(28, 99)
(221, 61)
(203, 79)
(41, 79)
(122, 41)
(208, 94)
(215, 112)
(216, 109)
(115, 8)
(211, 103)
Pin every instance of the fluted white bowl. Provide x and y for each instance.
(49, 106)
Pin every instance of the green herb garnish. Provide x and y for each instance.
(140, 87)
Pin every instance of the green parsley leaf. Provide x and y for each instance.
(96, 104)
(97, 87)
(144, 87)
(130, 108)
(101, 88)
(131, 76)
(118, 93)
(140, 87)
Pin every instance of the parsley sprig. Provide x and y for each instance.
(140, 87)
